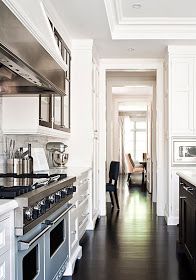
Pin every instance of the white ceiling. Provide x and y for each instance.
(123, 107)
(136, 91)
(88, 20)
(159, 8)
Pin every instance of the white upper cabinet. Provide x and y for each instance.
(182, 96)
(182, 90)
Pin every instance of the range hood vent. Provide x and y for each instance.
(25, 66)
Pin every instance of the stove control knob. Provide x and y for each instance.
(47, 203)
(64, 192)
(43, 206)
(52, 198)
(28, 214)
(69, 190)
(57, 196)
(36, 211)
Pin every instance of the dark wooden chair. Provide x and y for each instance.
(111, 187)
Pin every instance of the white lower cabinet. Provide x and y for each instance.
(79, 218)
(7, 267)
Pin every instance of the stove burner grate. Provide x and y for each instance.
(16, 190)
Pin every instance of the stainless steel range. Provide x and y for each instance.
(41, 223)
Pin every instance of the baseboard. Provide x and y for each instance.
(172, 220)
(91, 224)
(71, 264)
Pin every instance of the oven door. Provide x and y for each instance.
(30, 258)
(57, 246)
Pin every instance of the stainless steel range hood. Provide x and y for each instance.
(25, 66)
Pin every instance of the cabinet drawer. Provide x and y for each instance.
(5, 266)
(82, 227)
(82, 213)
(83, 187)
(4, 236)
(83, 206)
(82, 199)
(83, 177)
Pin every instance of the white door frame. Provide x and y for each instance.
(133, 64)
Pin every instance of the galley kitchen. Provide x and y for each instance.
(97, 140)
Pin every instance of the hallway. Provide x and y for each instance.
(131, 244)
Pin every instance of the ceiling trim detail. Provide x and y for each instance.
(147, 27)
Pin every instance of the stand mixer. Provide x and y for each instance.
(56, 154)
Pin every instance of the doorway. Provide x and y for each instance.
(158, 167)
(130, 108)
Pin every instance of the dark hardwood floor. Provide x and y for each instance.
(131, 243)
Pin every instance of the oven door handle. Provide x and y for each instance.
(51, 223)
(25, 245)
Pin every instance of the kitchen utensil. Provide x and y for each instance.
(27, 162)
(60, 159)
(56, 154)
(10, 148)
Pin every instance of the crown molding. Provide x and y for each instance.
(147, 27)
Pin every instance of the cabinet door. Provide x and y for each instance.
(194, 98)
(182, 84)
(45, 111)
(5, 266)
(188, 229)
(95, 182)
(57, 112)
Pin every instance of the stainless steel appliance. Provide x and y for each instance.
(184, 151)
(22, 70)
(57, 156)
(43, 252)
(41, 223)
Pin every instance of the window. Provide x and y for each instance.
(135, 138)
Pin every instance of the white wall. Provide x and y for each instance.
(81, 140)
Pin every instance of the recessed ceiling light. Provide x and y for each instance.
(136, 6)
(131, 49)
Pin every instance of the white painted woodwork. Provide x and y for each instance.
(182, 96)
(7, 248)
(5, 266)
(95, 173)
(149, 150)
(20, 115)
(80, 216)
(159, 166)
(81, 140)
(180, 108)
(150, 23)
